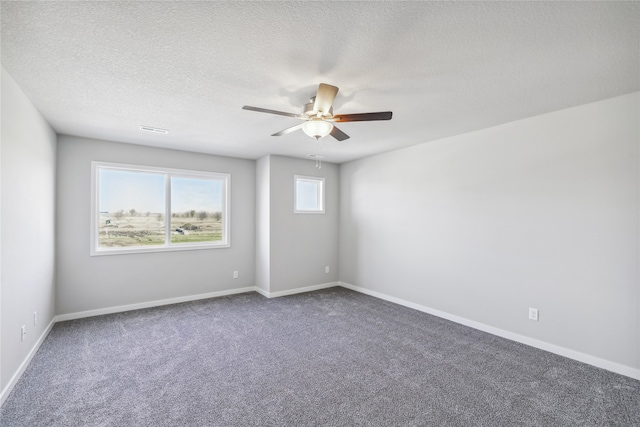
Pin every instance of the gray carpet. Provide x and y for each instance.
(325, 358)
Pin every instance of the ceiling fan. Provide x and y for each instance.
(318, 115)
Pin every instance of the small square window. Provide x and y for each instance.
(309, 194)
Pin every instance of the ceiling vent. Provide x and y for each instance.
(154, 130)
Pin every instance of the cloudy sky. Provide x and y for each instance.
(145, 192)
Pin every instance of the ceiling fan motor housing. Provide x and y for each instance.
(308, 110)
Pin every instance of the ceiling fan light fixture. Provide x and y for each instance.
(317, 128)
(318, 118)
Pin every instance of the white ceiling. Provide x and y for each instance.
(102, 69)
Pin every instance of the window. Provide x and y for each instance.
(148, 209)
(309, 194)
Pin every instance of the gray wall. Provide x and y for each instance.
(294, 249)
(263, 221)
(542, 212)
(28, 162)
(86, 283)
(302, 245)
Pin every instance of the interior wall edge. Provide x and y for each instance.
(299, 290)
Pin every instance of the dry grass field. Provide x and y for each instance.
(120, 229)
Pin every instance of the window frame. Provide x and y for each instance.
(96, 166)
(321, 195)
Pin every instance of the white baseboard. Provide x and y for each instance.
(121, 308)
(156, 303)
(296, 290)
(262, 292)
(552, 348)
(14, 379)
(542, 345)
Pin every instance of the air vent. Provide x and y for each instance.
(154, 130)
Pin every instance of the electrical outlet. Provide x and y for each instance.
(35, 318)
(326, 269)
(533, 314)
(235, 274)
(23, 332)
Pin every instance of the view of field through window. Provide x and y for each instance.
(132, 209)
(196, 210)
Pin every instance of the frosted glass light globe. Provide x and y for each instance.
(317, 128)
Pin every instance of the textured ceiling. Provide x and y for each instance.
(102, 69)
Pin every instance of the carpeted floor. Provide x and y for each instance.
(327, 358)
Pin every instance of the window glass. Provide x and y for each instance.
(309, 194)
(131, 205)
(196, 210)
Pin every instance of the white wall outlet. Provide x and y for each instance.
(533, 314)
(235, 274)
(35, 318)
(23, 332)
(326, 269)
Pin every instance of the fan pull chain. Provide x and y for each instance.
(318, 156)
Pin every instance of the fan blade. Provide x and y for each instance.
(338, 134)
(288, 130)
(324, 98)
(363, 117)
(264, 110)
